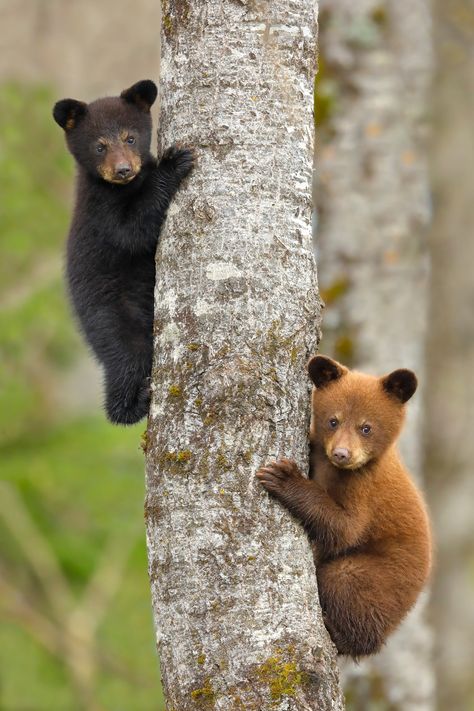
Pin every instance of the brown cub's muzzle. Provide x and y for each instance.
(341, 457)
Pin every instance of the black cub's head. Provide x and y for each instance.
(110, 137)
(356, 417)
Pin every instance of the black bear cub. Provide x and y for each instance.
(122, 195)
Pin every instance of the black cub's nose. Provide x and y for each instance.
(123, 170)
(341, 455)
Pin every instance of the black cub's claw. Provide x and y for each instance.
(180, 160)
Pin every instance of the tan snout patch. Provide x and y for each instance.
(350, 441)
(108, 168)
(355, 463)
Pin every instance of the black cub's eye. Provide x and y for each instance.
(131, 140)
(100, 148)
(366, 429)
(333, 423)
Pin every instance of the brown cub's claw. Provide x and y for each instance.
(278, 476)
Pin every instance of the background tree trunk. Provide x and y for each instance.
(373, 209)
(237, 315)
(450, 397)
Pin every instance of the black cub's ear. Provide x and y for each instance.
(401, 384)
(142, 94)
(323, 370)
(68, 112)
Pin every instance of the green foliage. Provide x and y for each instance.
(71, 510)
(326, 94)
(35, 171)
(82, 485)
(37, 334)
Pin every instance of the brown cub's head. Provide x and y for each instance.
(110, 138)
(356, 417)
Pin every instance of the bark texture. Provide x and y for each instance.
(450, 411)
(237, 315)
(373, 209)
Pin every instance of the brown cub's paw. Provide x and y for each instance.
(279, 477)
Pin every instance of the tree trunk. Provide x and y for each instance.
(450, 413)
(237, 315)
(373, 207)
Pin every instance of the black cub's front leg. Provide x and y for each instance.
(175, 165)
(178, 160)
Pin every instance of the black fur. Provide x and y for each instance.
(122, 195)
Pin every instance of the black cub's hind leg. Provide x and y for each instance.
(127, 398)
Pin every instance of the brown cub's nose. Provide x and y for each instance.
(341, 455)
(123, 170)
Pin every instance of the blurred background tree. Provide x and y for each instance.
(393, 98)
(74, 595)
(373, 208)
(450, 391)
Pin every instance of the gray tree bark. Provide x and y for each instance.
(373, 206)
(237, 315)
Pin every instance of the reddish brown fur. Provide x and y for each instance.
(367, 519)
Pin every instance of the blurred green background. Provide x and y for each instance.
(77, 631)
(77, 628)
(74, 584)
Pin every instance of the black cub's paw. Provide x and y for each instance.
(280, 478)
(123, 410)
(180, 160)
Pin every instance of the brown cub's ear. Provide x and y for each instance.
(142, 94)
(323, 370)
(401, 384)
(68, 112)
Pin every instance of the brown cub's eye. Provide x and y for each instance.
(100, 148)
(366, 429)
(333, 423)
(131, 140)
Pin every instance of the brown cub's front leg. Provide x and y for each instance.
(283, 480)
(335, 528)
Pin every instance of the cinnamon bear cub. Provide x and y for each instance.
(361, 509)
(122, 195)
